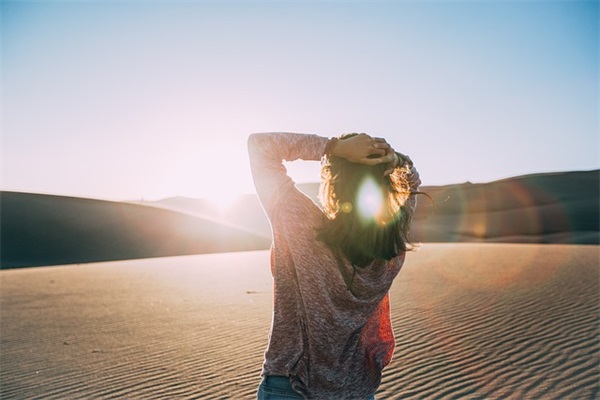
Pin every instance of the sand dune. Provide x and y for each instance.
(541, 208)
(472, 321)
(48, 230)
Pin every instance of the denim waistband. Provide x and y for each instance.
(283, 383)
(277, 381)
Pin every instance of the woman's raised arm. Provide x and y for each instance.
(267, 151)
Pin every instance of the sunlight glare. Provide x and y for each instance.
(370, 199)
(222, 200)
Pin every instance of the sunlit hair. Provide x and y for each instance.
(367, 219)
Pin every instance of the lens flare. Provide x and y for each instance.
(370, 200)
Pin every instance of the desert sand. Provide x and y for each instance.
(472, 321)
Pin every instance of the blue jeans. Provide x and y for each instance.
(278, 388)
(274, 387)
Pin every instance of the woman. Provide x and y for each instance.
(331, 333)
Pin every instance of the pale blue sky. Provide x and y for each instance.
(156, 99)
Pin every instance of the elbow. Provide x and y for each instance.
(257, 146)
(254, 140)
(251, 143)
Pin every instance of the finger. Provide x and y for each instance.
(388, 158)
(377, 153)
(382, 145)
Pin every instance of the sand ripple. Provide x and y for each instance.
(471, 321)
(530, 339)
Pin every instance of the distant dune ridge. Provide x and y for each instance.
(541, 208)
(48, 230)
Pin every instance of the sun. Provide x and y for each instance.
(223, 200)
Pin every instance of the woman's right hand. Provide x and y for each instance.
(364, 149)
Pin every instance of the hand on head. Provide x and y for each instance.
(364, 149)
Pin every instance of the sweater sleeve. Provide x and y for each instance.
(267, 151)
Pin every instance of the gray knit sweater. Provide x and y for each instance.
(331, 342)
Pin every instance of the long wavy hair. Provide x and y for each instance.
(366, 216)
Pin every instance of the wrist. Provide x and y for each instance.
(330, 147)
